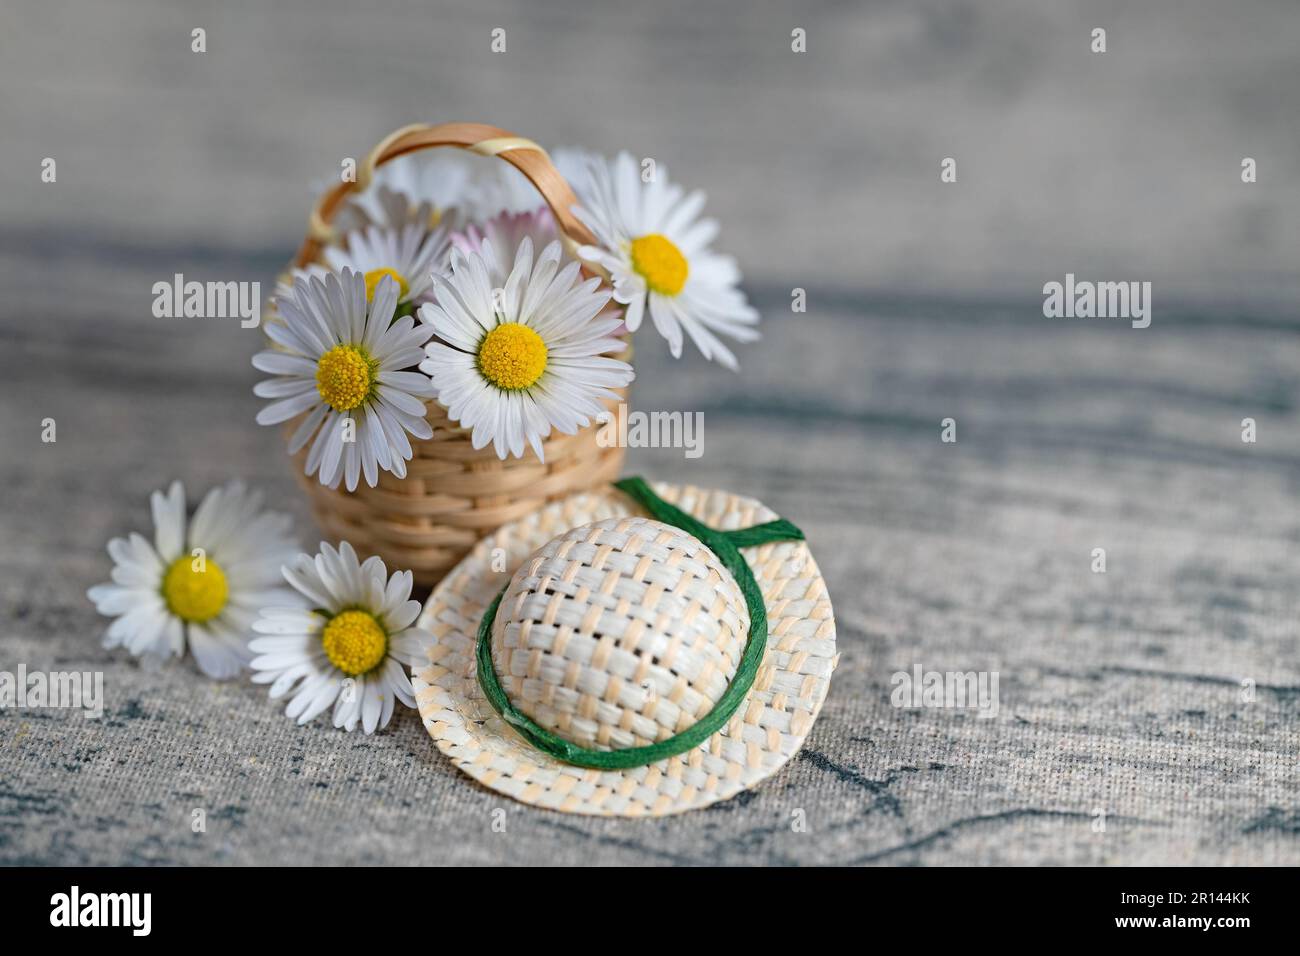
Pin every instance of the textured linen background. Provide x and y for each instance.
(1120, 693)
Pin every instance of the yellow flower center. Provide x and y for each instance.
(195, 596)
(354, 642)
(345, 376)
(512, 356)
(375, 276)
(660, 263)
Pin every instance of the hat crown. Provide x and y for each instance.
(619, 633)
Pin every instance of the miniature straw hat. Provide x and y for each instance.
(656, 649)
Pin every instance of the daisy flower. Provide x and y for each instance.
(441, 179)
(389, 209)
(656, 252)
(518, 358)
(342, 365)
(201, 582)
(504, 233)
(410, 256)
(345, 646)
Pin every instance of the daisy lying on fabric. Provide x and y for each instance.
(341, 365)
(343, 645)
(656, 251)
(201, 582)
(512, 362)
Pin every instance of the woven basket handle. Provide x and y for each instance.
(525, 155)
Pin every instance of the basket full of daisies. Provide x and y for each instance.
(458, 323)
(442, 350)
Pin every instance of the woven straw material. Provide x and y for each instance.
(584, 702)
(619, 633)
(453, 494)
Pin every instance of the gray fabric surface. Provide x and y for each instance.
(1120, 692)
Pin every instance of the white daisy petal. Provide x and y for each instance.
(350, 654)
(169, 521)
(655, 246)
(214, 657)
(371, 706)
(504, 363)
(196, 589)
(357, 359)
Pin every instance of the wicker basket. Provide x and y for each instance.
(452, 494)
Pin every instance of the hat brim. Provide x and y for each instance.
(766, 731)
